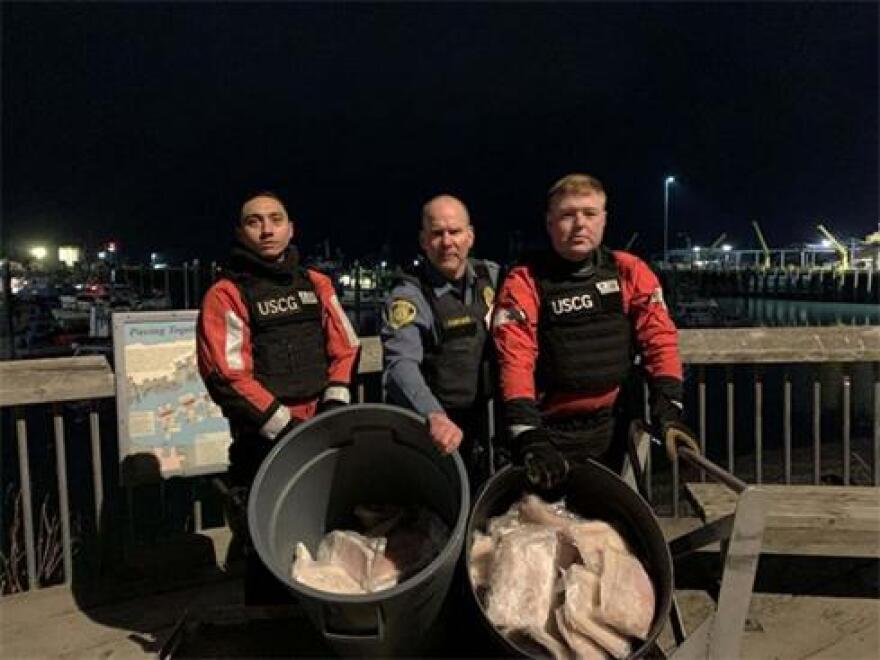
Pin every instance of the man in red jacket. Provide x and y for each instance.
(274, 347)
(567, 327)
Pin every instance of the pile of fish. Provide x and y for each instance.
(394, 543)
(546, 576)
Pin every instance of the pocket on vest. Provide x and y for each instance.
(276, 358)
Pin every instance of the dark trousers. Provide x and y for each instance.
(599, 435)
(246, 454)
(476, 449)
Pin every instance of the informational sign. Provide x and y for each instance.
(168, 425)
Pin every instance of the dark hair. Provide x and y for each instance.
(253, 195)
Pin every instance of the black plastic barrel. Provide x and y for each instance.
(309, 485)
(594, 492)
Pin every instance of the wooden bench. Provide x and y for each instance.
(838, 521)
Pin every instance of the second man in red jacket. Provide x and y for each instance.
(567, 326)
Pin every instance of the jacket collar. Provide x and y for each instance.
(586, 267)
(440, 285)
(244, 260)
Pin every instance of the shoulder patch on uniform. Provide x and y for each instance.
(402, 313)
(508, 315)
(488, 295)
(657, 297)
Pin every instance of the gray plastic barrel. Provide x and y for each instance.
(593, 491)
(309, 485)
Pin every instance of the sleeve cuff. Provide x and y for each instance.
(521, 412)
(667, 386)
(276, 423)
(339, 393)
(519, 429)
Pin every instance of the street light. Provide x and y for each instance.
(39, 252)
(668, 182)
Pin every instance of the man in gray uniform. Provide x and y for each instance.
(435, 336)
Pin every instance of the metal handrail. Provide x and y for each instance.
(741, 534)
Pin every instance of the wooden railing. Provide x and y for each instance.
(856, 351)
(54, 381)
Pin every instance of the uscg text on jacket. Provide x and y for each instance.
(572, 304)
(278, 305)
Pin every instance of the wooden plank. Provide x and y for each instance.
(795, 497)
(832, 508)
(67, 379)
(738, 345)
(780, 345)
(55, 379)
(818, 541)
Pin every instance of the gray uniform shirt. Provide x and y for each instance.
(403, 344)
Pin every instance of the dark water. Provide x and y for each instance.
(795, 313)
(758, 312)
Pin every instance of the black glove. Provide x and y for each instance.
(546, 468)
(330, 404)
(666, 409)
(663, 412)
(665, 401)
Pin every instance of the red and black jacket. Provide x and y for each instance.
(272, 339)
(565, 334)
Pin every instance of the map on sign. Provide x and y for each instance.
(164, 411)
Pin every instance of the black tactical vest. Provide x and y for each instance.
(584, 336)
(287, 337)
(455, 361)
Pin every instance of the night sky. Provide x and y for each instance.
(148, 122)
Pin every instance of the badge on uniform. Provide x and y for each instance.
(308, 297)
(608, 286)
(402, 313)
(488, 298)
(657, 297)
(488, 295)
(508, 315)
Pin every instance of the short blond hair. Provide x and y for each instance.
(575, 184)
